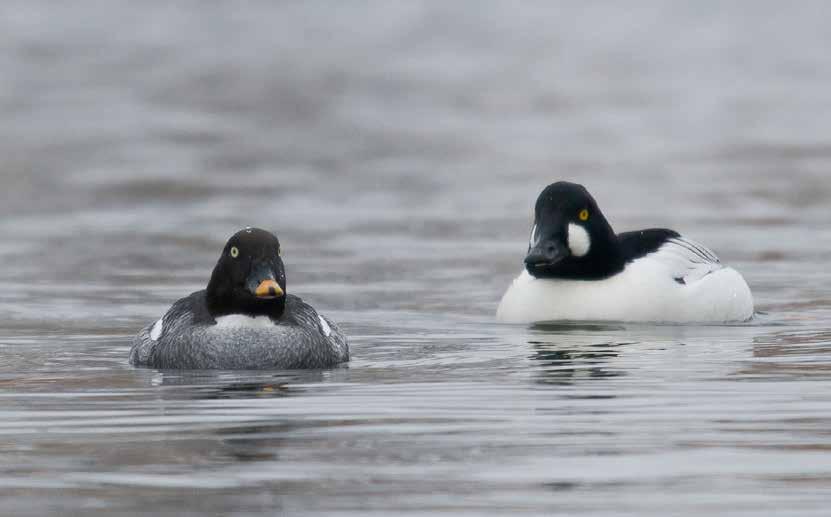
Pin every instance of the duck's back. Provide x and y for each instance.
(188, 337)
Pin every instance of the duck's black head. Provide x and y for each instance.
(570, 237)
(249, 277)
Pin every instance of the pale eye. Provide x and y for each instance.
(234, 252)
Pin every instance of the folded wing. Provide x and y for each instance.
(687, 260)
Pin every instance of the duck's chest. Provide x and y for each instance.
(641, 291)
(242, 321)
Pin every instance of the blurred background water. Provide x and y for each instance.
(396, 148)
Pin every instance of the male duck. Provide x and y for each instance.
(578, 269)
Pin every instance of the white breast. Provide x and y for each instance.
(680, 283)
(241, 320)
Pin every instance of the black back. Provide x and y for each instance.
(637, 244)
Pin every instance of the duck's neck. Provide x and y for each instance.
(224, 303)
(604, 259)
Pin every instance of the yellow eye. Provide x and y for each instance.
(584, 215)
(278, 251)
(234, 252)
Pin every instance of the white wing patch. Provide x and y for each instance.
(324, 326)
(156, 331)
(687, 260)
(241, 320)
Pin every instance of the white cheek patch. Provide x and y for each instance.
(579, 241)
(325, 326)
(241, 320)
(156, 331)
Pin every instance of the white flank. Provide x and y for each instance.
(680, 283)
(325, 326)
(241, 320)
(579, 241)
(156, 331)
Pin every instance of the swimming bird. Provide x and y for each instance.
(244, 319)
(577, 268)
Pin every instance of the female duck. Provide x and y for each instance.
(243, 320)
(577, 268)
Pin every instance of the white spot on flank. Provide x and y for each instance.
(533, 239)
(156, 331)
(325, 326)
(241, 320)
(579, 241)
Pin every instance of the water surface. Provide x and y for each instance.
(396, 149)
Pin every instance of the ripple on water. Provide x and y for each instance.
(399, 163)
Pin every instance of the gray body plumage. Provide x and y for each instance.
(191, 339)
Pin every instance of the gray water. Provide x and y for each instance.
(396, 148)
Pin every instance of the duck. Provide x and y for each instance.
(243, 320)
(578, 269)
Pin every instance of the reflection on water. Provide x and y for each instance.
(561, 366)
(398, 164)
(568, 352)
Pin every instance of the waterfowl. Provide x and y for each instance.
(244, 319)
(577, 268)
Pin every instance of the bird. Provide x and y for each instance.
(578, 269)
(243, 319)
